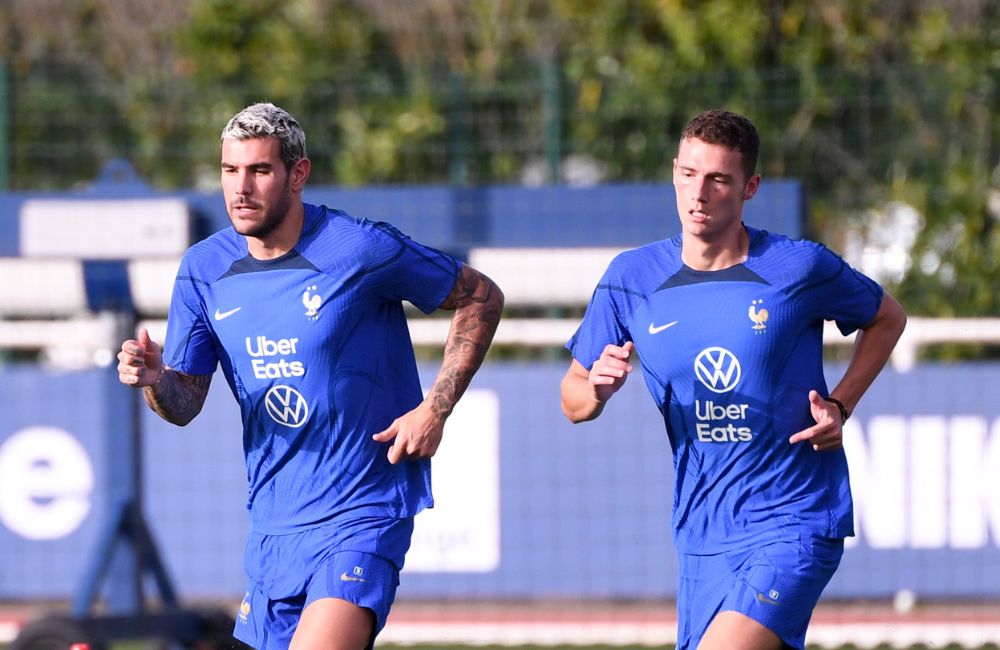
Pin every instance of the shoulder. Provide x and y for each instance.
(332, 235)
(794, 264)
(778, 244)
(665, 252)
(774, 251)
(209, 259)
(644, 268)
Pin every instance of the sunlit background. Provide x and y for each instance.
(533, 139)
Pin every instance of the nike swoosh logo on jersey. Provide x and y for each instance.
(219, 315)
(349, 578)
(656, 330)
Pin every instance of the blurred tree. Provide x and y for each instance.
(93, 80)
(868, 102)
(874, 104)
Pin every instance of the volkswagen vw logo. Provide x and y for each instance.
(718, 369)
(286, 406)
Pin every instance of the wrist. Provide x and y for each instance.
(438, 407)
(844, 413)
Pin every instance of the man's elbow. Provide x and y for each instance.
(570, 405)
(575, 417)
(182, 420)
(901, 323)
(568, 412)
(496, 301)
(176, 419)
(497, 294)
(896, 317)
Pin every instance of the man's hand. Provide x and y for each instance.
(610, 371)
(140, 362)
(828, 432)
(583, 392)
(416, 434)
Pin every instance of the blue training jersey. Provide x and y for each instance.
(315, 347)
(729, 356)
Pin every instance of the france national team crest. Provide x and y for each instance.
(758, 315)
(312, 302)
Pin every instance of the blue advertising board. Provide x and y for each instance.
(456, 219)
(557, 510)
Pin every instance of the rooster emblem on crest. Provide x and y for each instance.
(311, 302)
(758, 316)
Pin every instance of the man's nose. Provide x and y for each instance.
(696, 189)
(244, 186)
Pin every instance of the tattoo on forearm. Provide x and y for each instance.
(178, 397)
(478, 303)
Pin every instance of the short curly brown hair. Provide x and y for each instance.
(731, 130)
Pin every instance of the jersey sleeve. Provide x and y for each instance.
(605, 320)
(844, 295)
(189, 347)
(403, 269)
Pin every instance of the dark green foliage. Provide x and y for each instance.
(870, 104)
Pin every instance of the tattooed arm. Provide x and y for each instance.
(175, 396)
(477, 302)
(178, 396)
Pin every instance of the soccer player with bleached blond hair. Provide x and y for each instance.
(301, 306)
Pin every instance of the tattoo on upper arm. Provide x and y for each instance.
(178, 397)
(470, 286)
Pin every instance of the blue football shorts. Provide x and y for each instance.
(776, 584)
(358, 561)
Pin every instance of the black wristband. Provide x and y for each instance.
(844, 413)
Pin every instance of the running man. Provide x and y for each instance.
(301, 305)
(727, 324)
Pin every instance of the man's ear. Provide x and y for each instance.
(752, 186)
(300, 174)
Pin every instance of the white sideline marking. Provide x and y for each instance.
(827, 635)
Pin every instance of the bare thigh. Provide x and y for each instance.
(734, 631)
(333, 624)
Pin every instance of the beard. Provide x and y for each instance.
(272, 217)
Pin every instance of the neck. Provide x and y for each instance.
(715, 255)
(283, 238)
